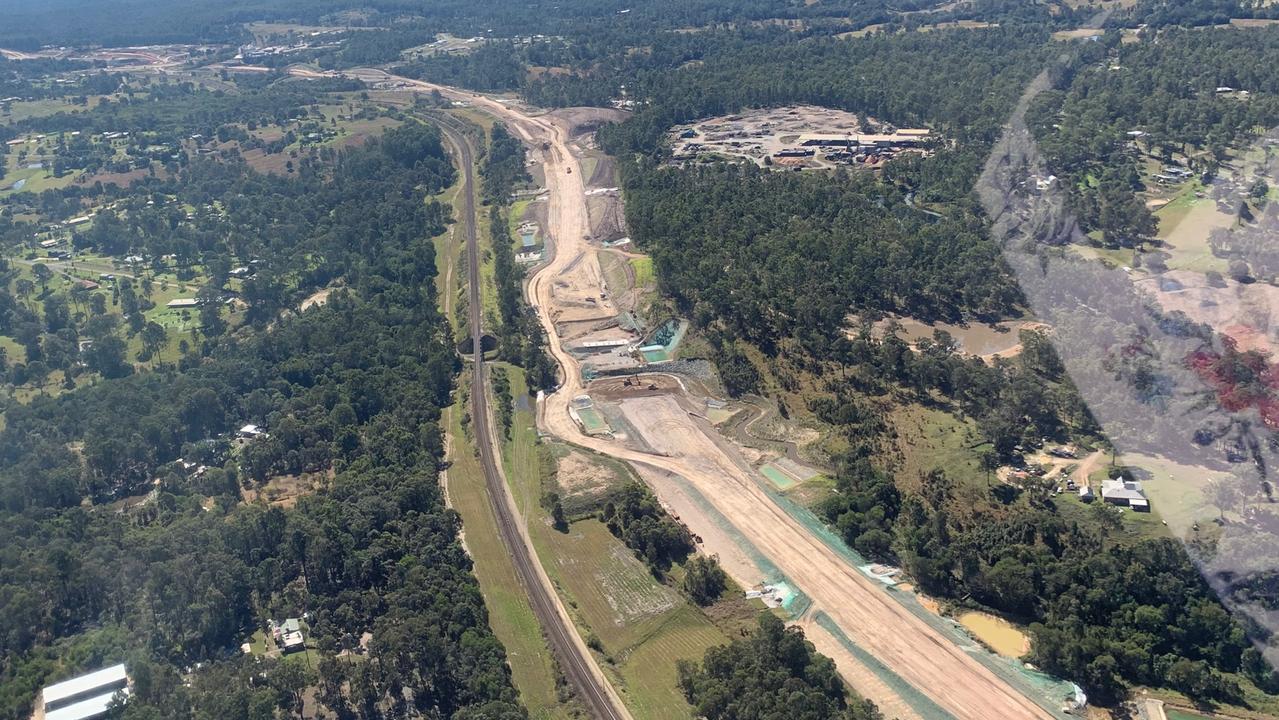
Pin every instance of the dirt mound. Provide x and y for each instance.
(582, 120)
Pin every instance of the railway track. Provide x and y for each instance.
(574, 658)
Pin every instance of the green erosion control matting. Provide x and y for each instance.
(919, 702)
(1048, 692)
(777, 477)
(592, 422)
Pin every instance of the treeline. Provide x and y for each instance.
(962, 84)
(1190, 13)
(762, 256)
(178, 109)
(490, 67)
(772, 674)
(504, 166)
(521, 339)
(356, 388)
(634, 516)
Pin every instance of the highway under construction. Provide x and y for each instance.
(907, 665)
(574, 657)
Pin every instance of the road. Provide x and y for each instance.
(907, 645)
(575, 660)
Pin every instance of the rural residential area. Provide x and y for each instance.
(736, 360)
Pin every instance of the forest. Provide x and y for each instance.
(521, 339)
(811, 246)
(824, 254)
(351, 390)
(772, 674)
(783, 274)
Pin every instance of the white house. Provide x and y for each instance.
(1125, 492)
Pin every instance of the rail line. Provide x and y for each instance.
(574, 658)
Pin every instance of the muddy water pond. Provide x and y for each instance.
(973, 339)
(998, 634)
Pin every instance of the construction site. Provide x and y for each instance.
(797, 137)
(911, 662)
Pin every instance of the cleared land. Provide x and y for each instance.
(778, 136)
(578, 665)
(610, 593)
(863, 612)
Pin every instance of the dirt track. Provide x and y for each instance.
(865, 613)
(574, 658)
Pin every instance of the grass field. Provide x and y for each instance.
(27, 109)
(589, 163)
(34, 179)
(931, 439)
(1185, 223)
(1259, 706)
(641, 625)
(510, 615)
(643, 271)
(1135, 526)
(450, 259)
(448, 248)
(1183, 715)
(514, 218)
(1114, 257)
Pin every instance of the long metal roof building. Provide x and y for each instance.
(84, 697)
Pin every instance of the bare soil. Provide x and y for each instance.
(716, 483)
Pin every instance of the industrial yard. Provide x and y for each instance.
(798, 137)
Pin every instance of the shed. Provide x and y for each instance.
(85, 697)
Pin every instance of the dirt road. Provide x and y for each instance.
(574, 658)
(686, 447)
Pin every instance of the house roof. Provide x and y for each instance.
(94, 707)
(85, 683)
(1122, 490)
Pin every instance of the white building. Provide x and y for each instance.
(251, 431)
(1125, 492)
(85, 697)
